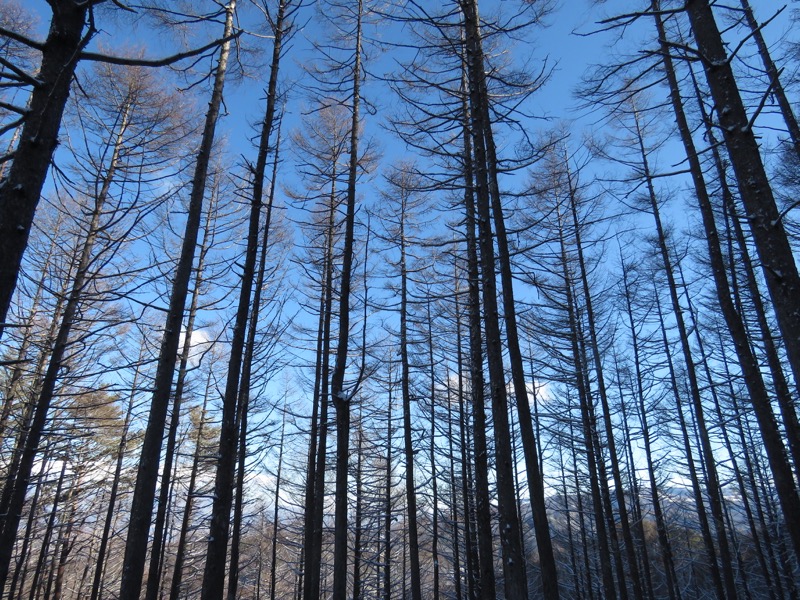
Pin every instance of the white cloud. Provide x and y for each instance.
(199, 344)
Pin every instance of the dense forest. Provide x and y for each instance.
(377, 300)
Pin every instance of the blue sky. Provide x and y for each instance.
(564, 43)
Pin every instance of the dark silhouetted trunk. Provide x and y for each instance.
(713, 486)
(655, 495)
(634, 577)
(242, 348)
(105, 536)
(771, 70)
(183, 535)
(21, 189)
(317, 454)
(486, 158)
(485, 583)
(760, 398)
(341, 397)
(273, 559)
(387, 503)
(150, 458)
(16, 485)
(702, 517)
(588, 424)
(434, 477)
(769, 235)
(157, 551)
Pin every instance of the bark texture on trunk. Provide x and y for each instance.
(769, 235)
(147, 474)
(21, 189)
(756, 387)
(341, 397)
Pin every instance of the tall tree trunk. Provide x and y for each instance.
(637, 518)
(576, 574)
(481, 121)
(318, 448)
(11, 388)
(713, 485)
(15, 488)
(599, 458)
(655, 495)
(453, 483)
(743, 490)
(29, 404)
(408, 444)
(775, 550)
(588, 424)
(472, 565)
(37, 376)
(21, 189)
(65, 543)
(702, 517)
(766, 225)
(359, 514)
(232, 404)
(434, 476)
(514, 564)
(387, 502)
(157, 551)
(776, 452)
(405, 388)
(147, 472)
(180, 550)
(619, 490)
(485, 583)
(342, 397)
(44, 549)
(242, 352)
(273, 560)
(21, 563)
(776, 88)
(586, 544)
(105, 536)
(774, 361)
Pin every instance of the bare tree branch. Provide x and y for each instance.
(120, 60)
(13, 35)
(161, 62)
